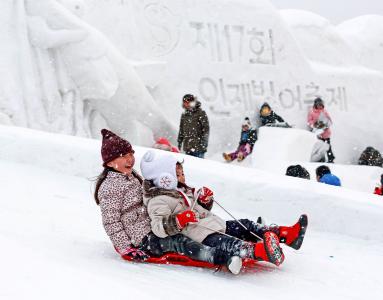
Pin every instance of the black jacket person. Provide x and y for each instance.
(268, 116)
(193, 136)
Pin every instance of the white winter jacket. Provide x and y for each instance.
(163, 206)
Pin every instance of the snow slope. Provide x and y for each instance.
(54, 247)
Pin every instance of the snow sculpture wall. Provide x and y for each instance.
(61, 75)
(233, 54)
(236, 54)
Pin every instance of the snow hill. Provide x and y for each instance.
(53, 245)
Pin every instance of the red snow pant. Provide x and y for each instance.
(245, 149)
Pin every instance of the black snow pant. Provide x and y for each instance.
(155, 246)
(330, 154)
(237, 241)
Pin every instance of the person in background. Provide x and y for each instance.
(371, 157)
(297, 171)
(319, 151)
(246, 143)
(324, 175)
(268, 116)
(379, 189)
(193, 136)
(164, 144)
(320, 121)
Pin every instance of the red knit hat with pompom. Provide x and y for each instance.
(113, 146)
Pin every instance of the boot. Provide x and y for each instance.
(227, 157)
(223, 256)
(269, 250)
(293, 236)
(234, 264)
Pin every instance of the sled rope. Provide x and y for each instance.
(216, 231)
(238, 221)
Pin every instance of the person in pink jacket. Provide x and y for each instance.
(320, 122)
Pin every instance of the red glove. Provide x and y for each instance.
(135, 253)
(205, 195)
(185, 218)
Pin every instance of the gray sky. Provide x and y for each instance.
(334, 10)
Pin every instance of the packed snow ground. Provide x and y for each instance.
(54, 246)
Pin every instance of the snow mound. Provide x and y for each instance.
(281, 144)
(318, 38)
(364, 34)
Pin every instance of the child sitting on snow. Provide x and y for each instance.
(173, 211)
(246, 143)
(270, 118)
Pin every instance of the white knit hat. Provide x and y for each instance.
(160, 168)
(246, 122)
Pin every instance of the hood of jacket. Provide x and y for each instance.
(265, 105)
(151, 191)
(197, 107)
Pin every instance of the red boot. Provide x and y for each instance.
(293, 236)
(269, 249)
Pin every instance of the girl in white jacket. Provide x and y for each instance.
(172, 211)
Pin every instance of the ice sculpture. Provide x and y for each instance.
(67, 77)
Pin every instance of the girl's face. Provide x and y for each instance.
(180, 173)
(123, 164)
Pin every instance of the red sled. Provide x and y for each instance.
(179, 259)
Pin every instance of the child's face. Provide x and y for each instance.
(180, 173)
(123, 164)
(265, 111)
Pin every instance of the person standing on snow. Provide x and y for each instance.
(379, 190)
(194, 128)
(125, 218)
(324, 175)
(320, 121)
(246, 143)
(165, 201)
